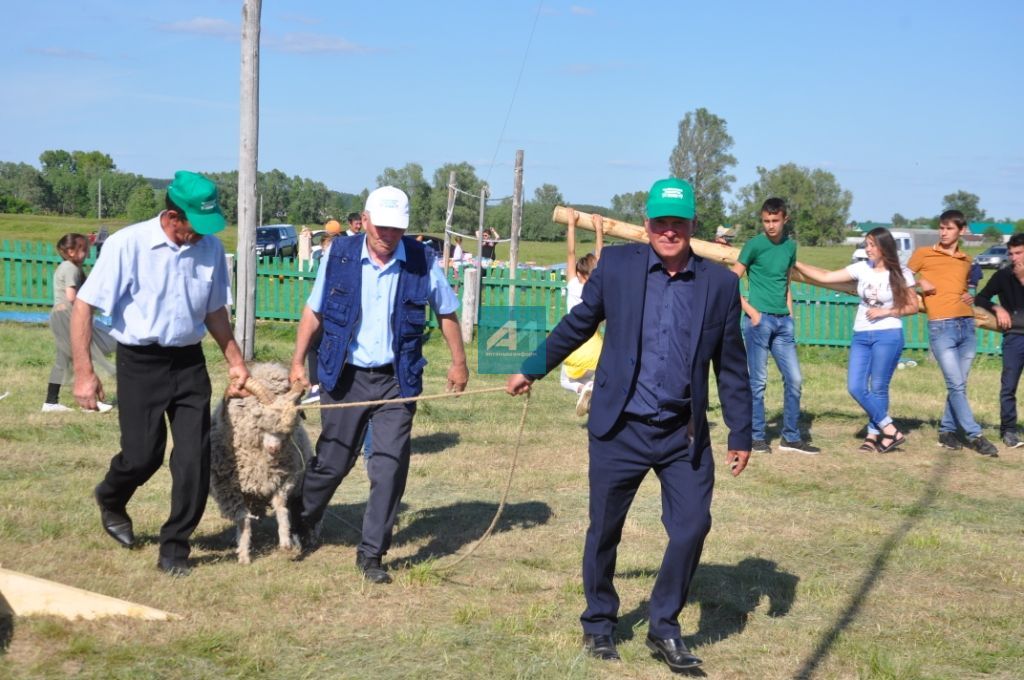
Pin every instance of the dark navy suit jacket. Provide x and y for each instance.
(615, 293)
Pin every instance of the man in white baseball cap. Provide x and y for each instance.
(370, 298)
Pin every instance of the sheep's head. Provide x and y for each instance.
(278, 412)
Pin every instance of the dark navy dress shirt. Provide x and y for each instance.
(662, 389)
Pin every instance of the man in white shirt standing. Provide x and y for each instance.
(165, 283)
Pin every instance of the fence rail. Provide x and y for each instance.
(822, 317)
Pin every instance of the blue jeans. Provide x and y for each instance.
(873, 359)
(774, 335)
(1013, 364)
(953, 342)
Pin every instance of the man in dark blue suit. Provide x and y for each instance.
(670, 316)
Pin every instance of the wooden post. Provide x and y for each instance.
(245, 298)
(448, 221)
(480, 227)
(480, 243)
(470, 297)
(517, 225)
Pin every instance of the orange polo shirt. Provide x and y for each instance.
(948, 273)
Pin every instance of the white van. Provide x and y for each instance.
(906, 243)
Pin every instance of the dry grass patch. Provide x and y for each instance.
(841, 565)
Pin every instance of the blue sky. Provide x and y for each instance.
(903, 101)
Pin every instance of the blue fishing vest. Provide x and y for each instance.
(342, 303)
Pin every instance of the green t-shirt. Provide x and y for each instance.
(768, 266)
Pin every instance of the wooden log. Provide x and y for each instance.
(726, 255)
(27, 595)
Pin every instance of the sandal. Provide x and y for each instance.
(888, 442)
(870, 445)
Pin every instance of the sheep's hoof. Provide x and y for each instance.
(244, 559)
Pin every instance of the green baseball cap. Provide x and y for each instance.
(670, 197)
(197, 196)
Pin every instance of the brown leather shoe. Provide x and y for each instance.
(674, 652)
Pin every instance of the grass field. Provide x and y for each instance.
(844, 565)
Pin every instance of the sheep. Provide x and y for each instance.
(258, 450)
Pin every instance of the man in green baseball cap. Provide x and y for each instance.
(165, 282)
(672, 319)
(197, 197)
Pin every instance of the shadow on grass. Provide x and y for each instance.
(448, 528)
(726, 595)
(874, 572)
(773, 426)
(434, 443)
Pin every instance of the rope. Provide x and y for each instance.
(474, 237)
(504, 495)
(402, 400)
(511, 469)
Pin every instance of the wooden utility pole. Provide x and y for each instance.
(517, 225)
(245, 295)
(480, 227)
(448, 221)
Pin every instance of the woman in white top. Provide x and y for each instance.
(579, 367)
(886, 293)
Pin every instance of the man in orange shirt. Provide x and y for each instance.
(942, 272)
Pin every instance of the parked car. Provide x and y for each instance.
(276, 240)
(435, 242)
(995, 257)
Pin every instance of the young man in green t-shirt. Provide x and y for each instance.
(768, 324)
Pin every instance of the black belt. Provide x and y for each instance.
(654, 421)
(386, 369)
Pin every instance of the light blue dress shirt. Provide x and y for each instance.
(155, 291)
(373, 339)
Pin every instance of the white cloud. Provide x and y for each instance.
(313, 43)
(63, 53)
(581, 11)
(218, 28)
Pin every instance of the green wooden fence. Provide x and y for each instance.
(823, 317)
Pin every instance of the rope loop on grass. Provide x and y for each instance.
(511, 468)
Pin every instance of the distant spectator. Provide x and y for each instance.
(1009, 313)
(101, 238)
(490, 243)
(67, 279)
(355, 224)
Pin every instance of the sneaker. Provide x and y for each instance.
(799, 446)
(100, 408)
(583, 403)
(983, 446)
(1011, 440)
(760, 446)
(949, 440)
(55, 408)
(313, 396)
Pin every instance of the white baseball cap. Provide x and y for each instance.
(388, 207)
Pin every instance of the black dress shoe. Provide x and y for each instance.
(173, 566)
(601, 647)
(373, 570)
(673, 651)
(116, 523)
